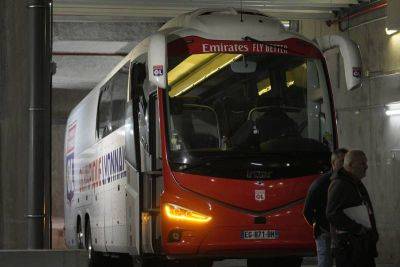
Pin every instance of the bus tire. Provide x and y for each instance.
(191, 263)
(95, 259)
(275, 262)
(141, 262)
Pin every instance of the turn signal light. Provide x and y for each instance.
(179, 213)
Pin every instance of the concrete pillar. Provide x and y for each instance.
(2, 86)
(13, 124)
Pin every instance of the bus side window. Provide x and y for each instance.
(132, 151)
(104, 112)
(143, 110)
(119, 91)
(154, 132)
(157, 136)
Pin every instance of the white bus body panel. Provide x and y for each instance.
(105, 205)
(79, 141)
(98, 182)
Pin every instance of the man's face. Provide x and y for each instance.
(338, 162)
(359, 167)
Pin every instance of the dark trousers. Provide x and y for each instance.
(352, 251)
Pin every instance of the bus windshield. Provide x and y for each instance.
(248, 106)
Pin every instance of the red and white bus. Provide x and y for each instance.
(202, 143)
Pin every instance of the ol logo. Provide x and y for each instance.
(259, 195)
(356, 72)
(158, 70)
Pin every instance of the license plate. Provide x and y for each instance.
(260, 234)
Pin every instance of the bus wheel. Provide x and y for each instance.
(191, 263)
(275, 262)
(141, 262)
(79, 233)
(93, 256)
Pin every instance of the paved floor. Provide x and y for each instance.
(78, 258)
(309, 262)
(236, 263)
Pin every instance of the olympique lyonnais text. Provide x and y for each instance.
(103, 170)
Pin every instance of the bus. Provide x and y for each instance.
(202, 142)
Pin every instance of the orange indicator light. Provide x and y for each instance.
(179, 213)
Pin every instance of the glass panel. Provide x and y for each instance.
(104, 113)
(247, 105)
(194, 126)
(119, 96)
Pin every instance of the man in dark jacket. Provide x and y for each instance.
(349, 211)
(315, 210)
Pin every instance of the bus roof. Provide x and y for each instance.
(228, 24)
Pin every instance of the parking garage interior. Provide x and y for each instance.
(89, 38)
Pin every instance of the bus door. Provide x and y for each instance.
(154, 179)
(144, 175)
(152, 176)
(133, 160)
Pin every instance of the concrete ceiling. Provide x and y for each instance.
(292, 9)
(92, 36)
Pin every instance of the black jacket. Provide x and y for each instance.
(315, 204)
(345, 192)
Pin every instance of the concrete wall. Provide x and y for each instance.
(362, 123)
(2, 87)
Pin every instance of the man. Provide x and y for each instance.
(349, 211)
(315, 210)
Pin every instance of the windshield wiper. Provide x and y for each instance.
(191, 166)
(208, 160)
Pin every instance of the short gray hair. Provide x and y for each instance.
(351, 156)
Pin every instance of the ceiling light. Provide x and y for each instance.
(390, 32)
(393, 108)
(286, 24)
(392, 112)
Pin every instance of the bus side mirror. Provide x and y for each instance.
(157, 60)
(350, 54)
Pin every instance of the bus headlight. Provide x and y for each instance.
(180, 213)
